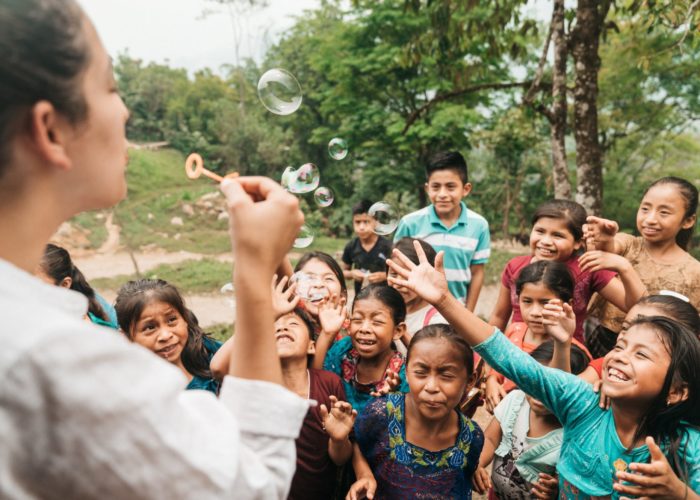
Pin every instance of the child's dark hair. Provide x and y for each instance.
(690, 196)
(405, 245)
(306, 319)
(448, 160)
(387, 296)
(58, 265)
(132, 299)
(329, 261)
(668, 423)
(545, 352)
(677, 309)
(361, 207)
(573, 214)
(443, 331)
(552, 274)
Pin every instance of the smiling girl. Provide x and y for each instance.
(152, 313)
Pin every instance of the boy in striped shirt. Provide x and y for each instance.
(448, 225)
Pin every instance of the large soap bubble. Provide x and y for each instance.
(324, 197)
(387, 217)
(305, 179)
(309, 287)
(337, 148)
(279, 92)
(304, 238)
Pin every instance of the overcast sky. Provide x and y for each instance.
(186, 33)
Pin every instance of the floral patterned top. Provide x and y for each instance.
(404, 470)
(342, 359)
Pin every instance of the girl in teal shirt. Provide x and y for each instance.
(646, 445)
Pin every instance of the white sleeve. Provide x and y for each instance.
(93, 416)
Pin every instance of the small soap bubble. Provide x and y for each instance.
(305, 179)
(338, 148)
(387, 217)
(304, 238)
(287, 177)
(323, 196)
(279, 91)
(229, 294)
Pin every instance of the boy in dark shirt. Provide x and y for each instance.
(364, 257)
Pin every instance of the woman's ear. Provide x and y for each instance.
(66, 282)
(677, 394)
(48, 134)
(399, 331)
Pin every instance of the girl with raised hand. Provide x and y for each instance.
(152, 313)
(665, 220)
(538, 284)
(99, 416)
(366, 360)
(650, 377)
(557, 235)
(57, 268)
(418, 444)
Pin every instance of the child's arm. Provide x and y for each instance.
(366, 485)
(331, 315)
(338, 424)
(502, 310)
(492, 439)
(219, 362)
(559, 322)
(493, 391)
(623, 293)
(477, 271)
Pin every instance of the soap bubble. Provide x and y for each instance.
(323, 196)
(308, 286)
(387, 217)
(305, 179)
(279, 92)
(304, 238)
(229, 294)
(287, 177)
(338, 148)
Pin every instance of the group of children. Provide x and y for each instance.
(392, 368)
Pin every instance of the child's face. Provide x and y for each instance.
(537, 407)
(550, 239)
(662, 214)
(324, 285)
(162, 330)
(372, 328)
(532, 300)
(446, 190)
(292, 337)
(363, 225)
(437, 377)
(636, 368)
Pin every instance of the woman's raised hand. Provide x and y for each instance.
(559, 320)
(599, 233)
(338, 421)
(283, 301)
(332, 314)
(428, 282)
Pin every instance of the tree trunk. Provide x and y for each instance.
(560, 171)
(590, 15)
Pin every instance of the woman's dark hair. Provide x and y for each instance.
(545, 352)
(677, 309)
(405, 245)
(58, 265)
(132, 299)
(387, 296)
(669, 423)
(690, 196)
(443, 331)
(329, 261)
(573, 214)
(552, 274)
(45, 54)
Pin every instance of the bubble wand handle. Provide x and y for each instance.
(194, 168)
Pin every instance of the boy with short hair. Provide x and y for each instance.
(448, 225)
(364, 257)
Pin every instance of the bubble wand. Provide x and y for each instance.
(194, 168)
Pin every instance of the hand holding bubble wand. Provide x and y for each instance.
(194, 168)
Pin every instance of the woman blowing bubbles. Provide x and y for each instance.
(85, 414)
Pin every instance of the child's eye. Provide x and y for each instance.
(642, 355)
(378, 323)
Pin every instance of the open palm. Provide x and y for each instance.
(338, 421)
(428, 282)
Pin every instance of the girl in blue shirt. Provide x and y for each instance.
(152, 313)
(647, 444)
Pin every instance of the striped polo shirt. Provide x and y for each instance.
(467, 242)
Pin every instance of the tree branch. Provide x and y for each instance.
(413, 117)
(530, 94)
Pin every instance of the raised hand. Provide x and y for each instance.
(559, 320)
(332, 314)
(599, 233)
(391, 382)
(283, 301)
(493, 393)
(653, 480)
(339, 420)
(546, 487)
(596, 260)
(481, 480)
(428, 282)
(362, 488)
